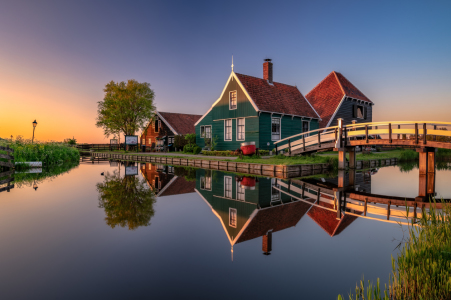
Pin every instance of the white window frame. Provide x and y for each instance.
(280, 128)
(225, 185)
(225, 129)
(240, 191)
(233, 211)
(170, 170)
(205, 132)
(170, 140)
(230, 100)
(202, 131)
(244, 129)
(363, 112)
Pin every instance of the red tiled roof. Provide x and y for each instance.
(327, 95)
(327, 219)
(181, 123)
(276, 218)
(279, 97)
(179, 186)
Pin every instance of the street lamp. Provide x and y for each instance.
(34, 127)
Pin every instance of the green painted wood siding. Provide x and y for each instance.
(289, 126)
(221, 111)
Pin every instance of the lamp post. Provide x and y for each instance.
(35, 186)
(34, 127)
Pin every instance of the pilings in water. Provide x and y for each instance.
(426, 174)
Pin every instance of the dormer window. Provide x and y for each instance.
(232, 100)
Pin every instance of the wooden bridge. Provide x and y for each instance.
(404, 133)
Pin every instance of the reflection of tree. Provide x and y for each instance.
(127, 201)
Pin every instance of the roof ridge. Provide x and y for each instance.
(368, 99)
(320, 82)
(339, 82)
(266, 80)
(168, 112)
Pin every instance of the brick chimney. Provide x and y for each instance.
(267, 70)
(267, 243)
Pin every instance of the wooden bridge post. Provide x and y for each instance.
(352, 158)
(389, 133)
(289, 147)
(426, 174)
(425, 132)
(416, 133)
(399, 127)
(342, 158)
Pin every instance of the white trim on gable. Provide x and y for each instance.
(166, 122)
(336, 110)
(232, 75)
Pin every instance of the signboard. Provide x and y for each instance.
(113, 142)
(131, 171)
(131, 140)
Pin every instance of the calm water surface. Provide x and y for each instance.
(82, 235)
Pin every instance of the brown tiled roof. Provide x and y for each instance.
(276, 218)
(279, 97)
(326, 96)
(181, 123)
(327, 219)
(179, 186)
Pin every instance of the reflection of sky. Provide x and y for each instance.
(391, 181)
(56, 243)
(56, 56)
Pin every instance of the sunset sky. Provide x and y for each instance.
(56, 56)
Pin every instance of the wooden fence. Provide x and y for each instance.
(6, 168)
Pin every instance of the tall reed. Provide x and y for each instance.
(48, 152)
(422, 269)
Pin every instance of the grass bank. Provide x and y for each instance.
(50, 153)
(48, 173)
(422, 269)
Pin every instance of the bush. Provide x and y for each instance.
(180, 141)
(231, 153)
(196, 149)
(407, 155)
(188, 148)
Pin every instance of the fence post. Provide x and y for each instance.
(289, 147)
(389, 133)
(425, 132)
(416, 133)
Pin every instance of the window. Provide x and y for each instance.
(157, 125)
(202, 131)
(232, 100)
(228, 187)
(171, 140)
(208, 132)
(275, 194)
(232, 217)
(228, 130)
(205, 183)
(359, 111)
(275, 129)
(150, 141)
(240, 129)
(306, 127)
(240, 192)
(171, 170)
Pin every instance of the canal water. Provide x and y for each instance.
(161, 232)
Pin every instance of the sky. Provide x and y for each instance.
(57, 56)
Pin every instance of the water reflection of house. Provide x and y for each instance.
(328, 221)
(162, 180)
(248, 208)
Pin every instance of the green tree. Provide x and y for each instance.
(126, 107)
(128, 201)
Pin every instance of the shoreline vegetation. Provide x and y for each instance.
(49, 153)
(422, 269)
(400, 154)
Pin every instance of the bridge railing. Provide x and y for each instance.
(307, 139)
(419, 131)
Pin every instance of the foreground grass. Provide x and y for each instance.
(422, 269)
(50, 153)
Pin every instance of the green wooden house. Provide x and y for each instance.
(259, 110)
